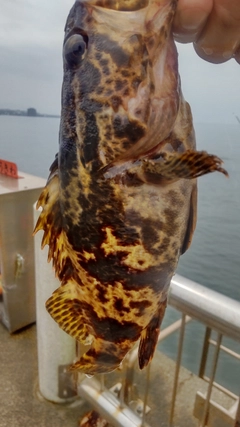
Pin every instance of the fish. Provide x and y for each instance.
(93, 419)
(120, 204)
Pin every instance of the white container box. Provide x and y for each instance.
(17, 196)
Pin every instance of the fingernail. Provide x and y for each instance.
(212, 55)
(227, 54)
(207, 50)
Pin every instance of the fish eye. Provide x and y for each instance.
(74, 50)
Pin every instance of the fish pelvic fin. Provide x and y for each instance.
(65, 308)
(189, 165)
(149, 337)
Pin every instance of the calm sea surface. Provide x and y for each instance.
(214, 257)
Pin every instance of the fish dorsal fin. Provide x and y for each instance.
(192, 221)
(50, 221)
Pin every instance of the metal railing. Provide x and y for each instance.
(217, 313)
(118, 402)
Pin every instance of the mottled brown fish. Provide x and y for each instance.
(93, 419)
(119, 207)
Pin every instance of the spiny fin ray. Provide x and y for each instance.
(189, 165)
(50, 221)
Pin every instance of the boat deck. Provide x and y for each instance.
(21, 404)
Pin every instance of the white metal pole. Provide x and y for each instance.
(56, 349)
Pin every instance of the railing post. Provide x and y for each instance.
(237, 421)
(210, 386)
(204, 353)
(178, 363)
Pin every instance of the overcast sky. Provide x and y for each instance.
(31, 34)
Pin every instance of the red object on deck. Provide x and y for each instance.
(8, 168)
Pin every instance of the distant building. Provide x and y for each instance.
(32, 112)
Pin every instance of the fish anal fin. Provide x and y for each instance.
(189, 165)
(149, 337)
(192, 221)
(65, 308)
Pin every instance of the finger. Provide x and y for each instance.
(190, 17)
(237, 55)
(220, 38)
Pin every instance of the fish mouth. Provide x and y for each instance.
(120, 5)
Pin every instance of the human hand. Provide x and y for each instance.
(212, 25)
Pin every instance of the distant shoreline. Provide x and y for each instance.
(20, 113)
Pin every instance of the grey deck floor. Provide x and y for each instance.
(20, 403)
(22, 406)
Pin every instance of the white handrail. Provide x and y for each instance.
(217, 311)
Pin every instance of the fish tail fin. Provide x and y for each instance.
(103, 357)
(149, 337)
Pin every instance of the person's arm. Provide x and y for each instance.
(212, 25)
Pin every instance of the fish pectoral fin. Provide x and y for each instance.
(65, 308)
(192, 221)
(149, 337)
(189, 165)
